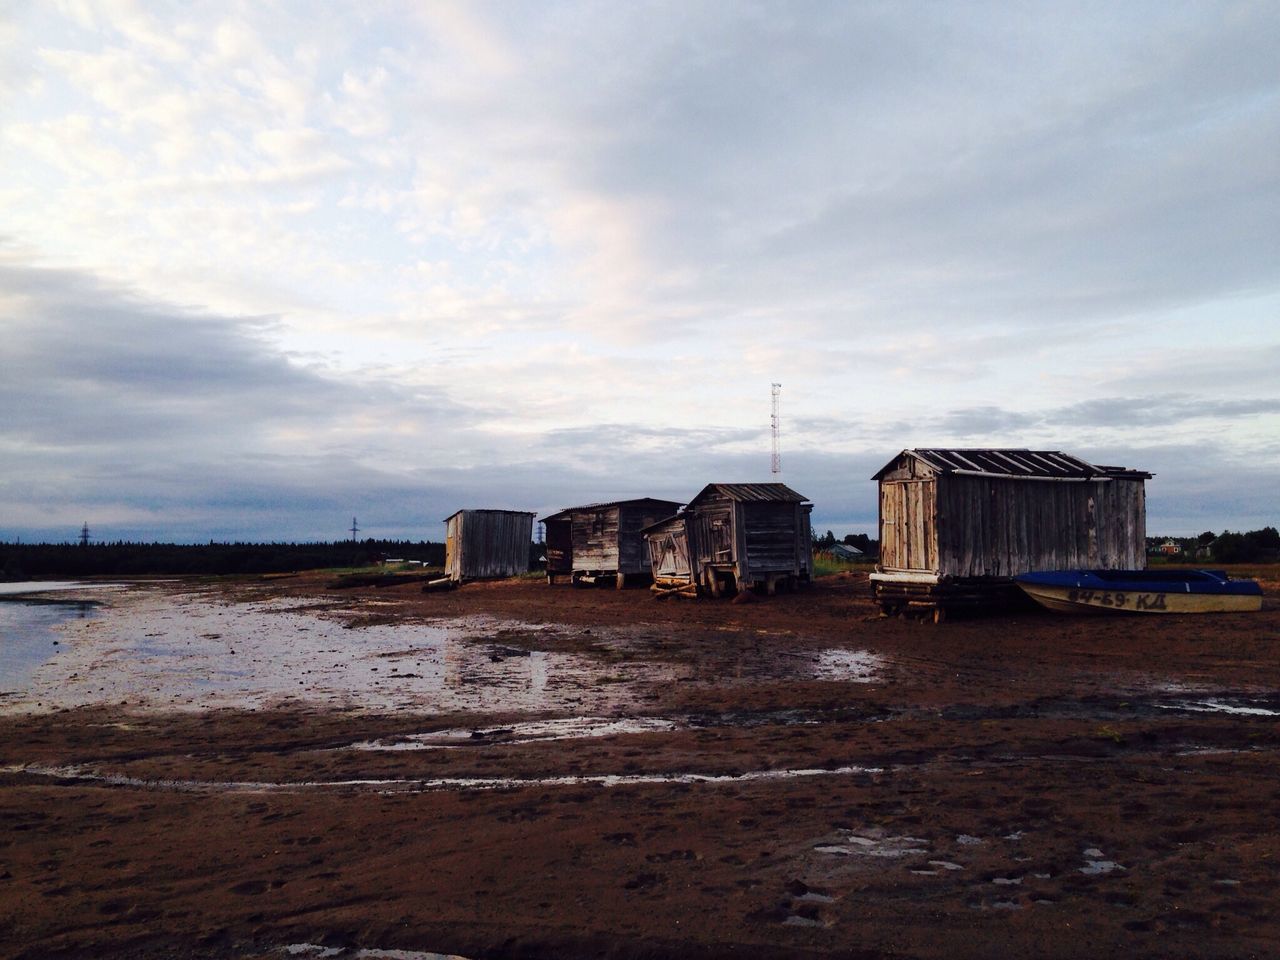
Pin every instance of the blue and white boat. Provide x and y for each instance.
(1141, 591)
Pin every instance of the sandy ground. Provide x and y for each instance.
(274, 768)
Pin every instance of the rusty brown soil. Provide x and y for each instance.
(1015, 786)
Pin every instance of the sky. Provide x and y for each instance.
(268, 267)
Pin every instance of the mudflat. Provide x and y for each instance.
(275, 767)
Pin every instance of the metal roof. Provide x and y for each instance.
(763, 492)
(674, 504)
(484, 510)
(1016, 463)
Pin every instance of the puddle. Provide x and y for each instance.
(310, 950)
(426, 784)
(1095, 866)
(156, 649)
(31, 635)
(1237, 706)
(851, 844)
(534, 731)
(855, 666)
(39, 587)
(797, 921)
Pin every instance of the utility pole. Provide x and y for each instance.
(354, 529)
(777, 439)
(84, 534)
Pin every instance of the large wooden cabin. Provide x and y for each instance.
(956, 525)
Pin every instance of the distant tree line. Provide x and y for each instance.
(1253, 546)
(21, 561)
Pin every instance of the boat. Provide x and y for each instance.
(1140, 591)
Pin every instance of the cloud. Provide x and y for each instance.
(575, 243)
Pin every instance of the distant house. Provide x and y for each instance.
(847, 553)
(602, 539)
(484, 544)
(956, 525)
(735, 536)
(1170, 548)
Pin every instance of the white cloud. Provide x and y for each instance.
(949, 222)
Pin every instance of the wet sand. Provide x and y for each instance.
(549, 772)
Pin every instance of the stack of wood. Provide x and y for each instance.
(662, 591)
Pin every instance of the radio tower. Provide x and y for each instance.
(777, 443)
(354, 529)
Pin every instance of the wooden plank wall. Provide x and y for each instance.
(595, 539)
(488, 543)
(773, 536)
(711, 536)
(669, 550)
(989, 527)
(560, 546)
(633, 550)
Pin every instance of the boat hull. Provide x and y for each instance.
(1141, 591)
(1086, 602)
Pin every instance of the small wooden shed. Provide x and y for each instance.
(736, 536)
(483, 544)
(602, 540)
(956, 525)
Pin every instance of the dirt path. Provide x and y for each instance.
(1023, 786)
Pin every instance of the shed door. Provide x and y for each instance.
(452, 562)
(906, 526)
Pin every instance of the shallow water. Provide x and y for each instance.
(31, 635)
(45, 586)
(362, 953)
(426, 784)
(157, 648)
(1238, 706)
(533, 731)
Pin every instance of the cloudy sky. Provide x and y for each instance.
(265, 267)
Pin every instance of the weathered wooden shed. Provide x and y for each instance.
(737, 535)
(956, 525)
(482, 544)
(602, 539)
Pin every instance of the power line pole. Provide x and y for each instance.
(777, 439)
(354, 529)
(84, 534)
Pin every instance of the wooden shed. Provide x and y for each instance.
(956, 525)
(736, 536)
(599, 540)
(482, 544)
